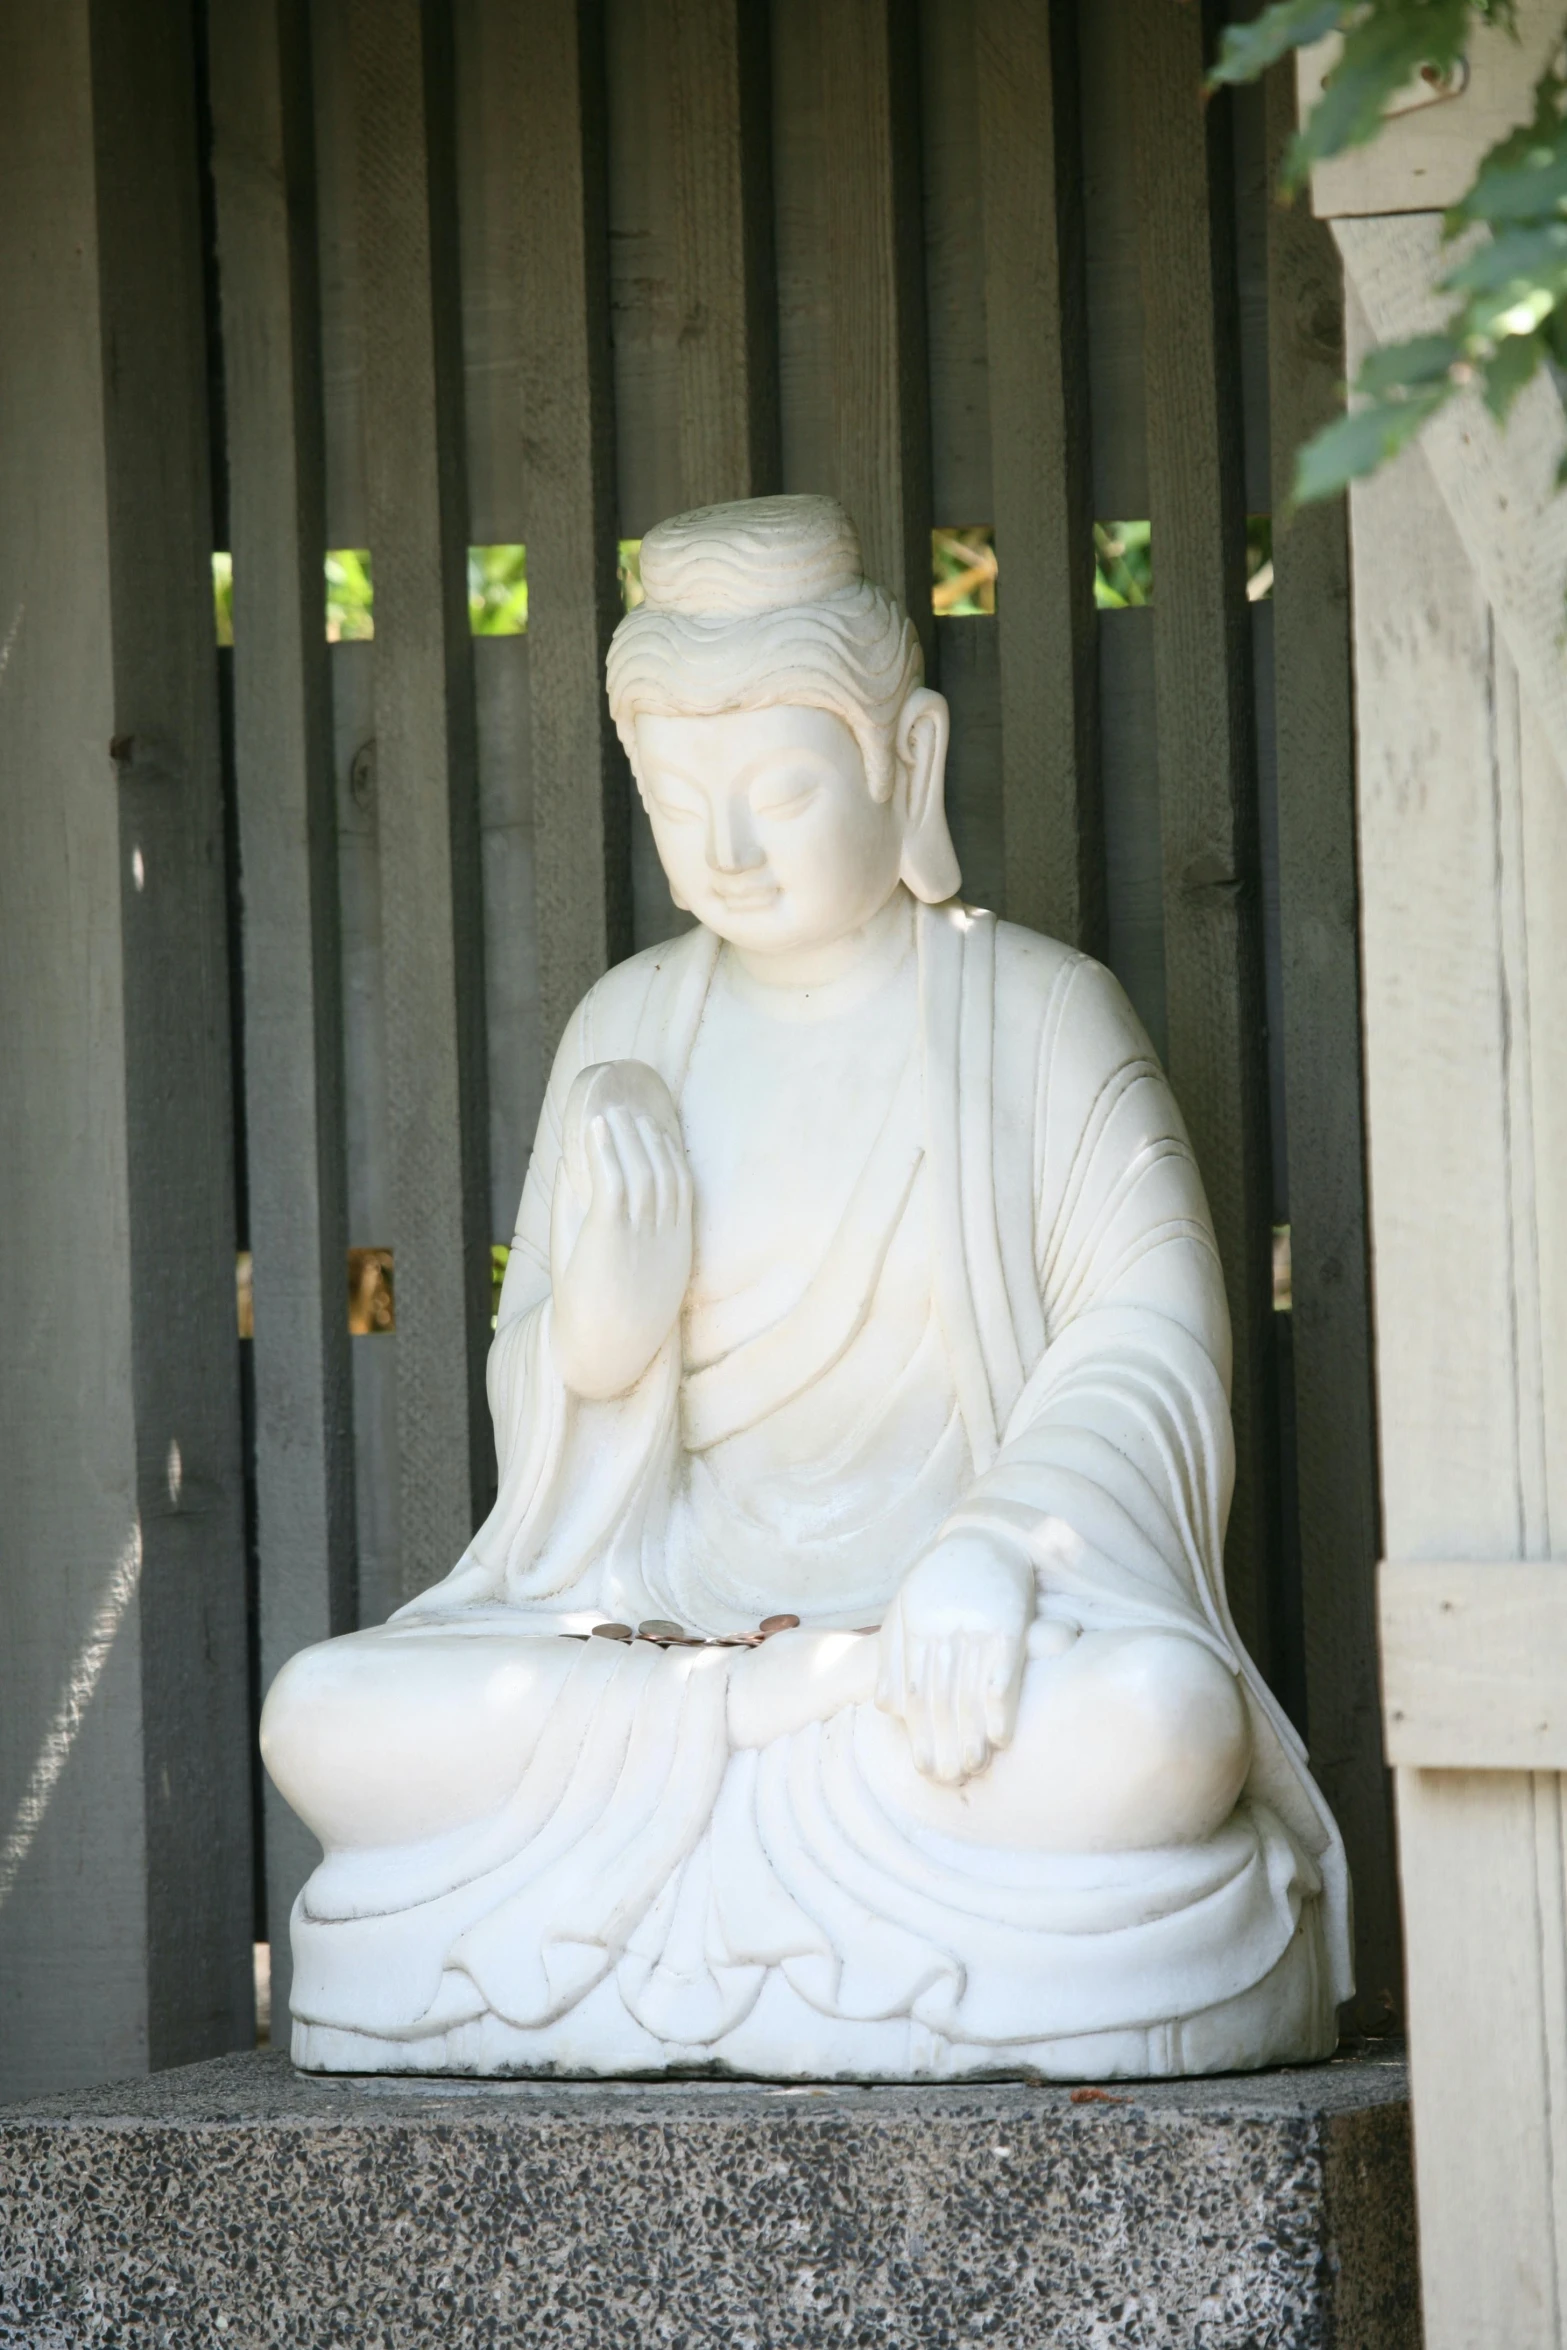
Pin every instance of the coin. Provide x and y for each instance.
(612, 1632)
(660, 1628)
(770, 1624)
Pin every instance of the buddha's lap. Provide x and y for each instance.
(1128, 1739)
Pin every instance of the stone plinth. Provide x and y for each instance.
(239, 2203)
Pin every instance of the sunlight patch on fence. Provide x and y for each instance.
(80, 1687)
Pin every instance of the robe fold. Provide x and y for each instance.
(1016, 1326)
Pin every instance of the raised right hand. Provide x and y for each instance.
(620, 1261)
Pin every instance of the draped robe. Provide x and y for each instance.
(651, 1895)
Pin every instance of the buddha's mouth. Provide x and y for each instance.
(753, 900)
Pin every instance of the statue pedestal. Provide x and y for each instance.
(240, 2202)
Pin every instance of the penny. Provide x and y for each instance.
(770, 1624)
(612, 1632)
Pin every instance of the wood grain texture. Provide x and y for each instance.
(1474, 1664)
(1335, 1421)
(73, 1975)
(725, 293)
(1494, 483)
(1463, 860)
(867, 54)
(263, 172)
(1041, 467)
(1481, 1866)
(691, 255)
(426, 781)
(1425, 156)
(956, 340)
(581, 789)
(178, 1078)
(125, 1850)
(1207, 775)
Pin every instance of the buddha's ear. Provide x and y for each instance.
(930, 866)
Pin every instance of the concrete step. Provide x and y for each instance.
(243, 2204)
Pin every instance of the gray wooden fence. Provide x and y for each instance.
(493, 272)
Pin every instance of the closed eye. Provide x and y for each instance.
(784, 799)
(675, 811)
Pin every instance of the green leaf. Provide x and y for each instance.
(1524, 176)
(1508, 370)
(1424, 360)
(1518, 256)
(1383, 51)
(1248, 50)
(1355, 445)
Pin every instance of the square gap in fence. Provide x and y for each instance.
(497, 593)
(1123, 562)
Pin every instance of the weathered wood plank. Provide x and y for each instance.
(122, 1562)
(581, 790)
(1207, 780)
(1495, 484)
(725, 292)
(1463, 862)
(262, 140)
(1335, 1422)
(957, 344)
(1480, 1855)
(1427, 151)
(1474, 1664)
(1041, 467)
(425, 775)
(1119, 392)
(868, 52)
(691, 259)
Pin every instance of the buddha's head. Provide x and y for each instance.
(770, 699)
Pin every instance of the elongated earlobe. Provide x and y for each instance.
(929, 868)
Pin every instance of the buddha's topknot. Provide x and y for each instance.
(759, 602)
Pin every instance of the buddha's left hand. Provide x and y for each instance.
(952, 1653)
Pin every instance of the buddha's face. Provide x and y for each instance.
(766, 825)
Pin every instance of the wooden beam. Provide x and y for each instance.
(1207, 757)
(581, 789)
(1335, 1413)
(124, 1756)
(426, 774)
(869, 51)
(1474, 1664)
(1041, 467)
(263, 174)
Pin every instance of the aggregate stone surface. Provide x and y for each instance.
(239, 2203)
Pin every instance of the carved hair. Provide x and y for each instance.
(760, 602)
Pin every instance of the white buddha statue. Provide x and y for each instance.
(862, 1276)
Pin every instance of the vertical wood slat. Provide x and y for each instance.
(581, 791)
(725, 287)
(180, 1134)
(1207, 761)
(869, 52)
(1335, 1417)
(1041, 467)
(426, 774)
(1463, 865)
(125, 1812)
(262, 132)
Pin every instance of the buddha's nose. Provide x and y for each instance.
(732, 845)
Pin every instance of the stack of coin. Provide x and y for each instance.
(664, 1634)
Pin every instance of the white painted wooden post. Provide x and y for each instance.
(125, 1891)
(1460, 573)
